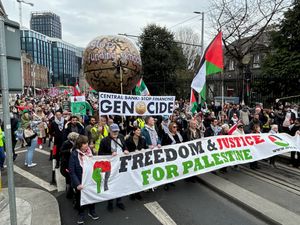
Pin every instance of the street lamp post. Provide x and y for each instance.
(33, 78)
(20, 9)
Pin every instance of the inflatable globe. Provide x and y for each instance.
(106, 58)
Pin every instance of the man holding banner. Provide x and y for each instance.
(114, 145)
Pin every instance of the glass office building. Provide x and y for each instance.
(66, 61)
(62, 59)
(39, 46)
(47, 23)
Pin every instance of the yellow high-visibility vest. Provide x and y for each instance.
(1, 138)
(140, 123)
(100, 137)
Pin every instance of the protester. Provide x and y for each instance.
(40, 117)
(57, 130)
(65, 153)
(193, 132)
(30, 137)
(255, 130)
(295, 162)
(114, 145)
(150, 134)
(274, 130)
(89, 127)
(75, 168)
(135, 142)
(2, 154)
(73, 126)
(213, 129)
(171, 138)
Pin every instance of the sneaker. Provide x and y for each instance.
(80, 219)
(41, 146)
(31, 165)
(25, 163)
(93, 215)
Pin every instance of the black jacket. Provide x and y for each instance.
(65, 153)
(69, 129)
(131, 145)
(75, 169)
(105, 145)
(57, 134)
(187, 135)
(166, 140)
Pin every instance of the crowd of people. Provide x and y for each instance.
(38, 120)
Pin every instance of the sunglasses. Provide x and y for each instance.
(174, 126)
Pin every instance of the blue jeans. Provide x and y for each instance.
(30, 151)
(2, 157)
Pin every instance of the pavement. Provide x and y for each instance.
(268, 211)
(34, 207)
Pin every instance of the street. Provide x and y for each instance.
(186, 203)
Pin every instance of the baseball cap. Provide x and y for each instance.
(114, 127)
(165, 117)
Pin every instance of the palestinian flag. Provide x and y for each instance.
(193, 102)
(76, 90)
(211, 63)
(141, 88)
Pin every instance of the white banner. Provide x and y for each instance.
(80, 98)
(134, 105)
(108, 177)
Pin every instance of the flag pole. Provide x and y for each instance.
(202, 48)
(222, 74)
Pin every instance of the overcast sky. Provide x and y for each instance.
(83, 20)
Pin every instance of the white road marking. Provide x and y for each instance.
(37, 150)
(21, 151)
(159, 213)
(34, 179)
(42, 151)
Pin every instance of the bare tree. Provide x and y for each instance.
(190, 51)
(243, 22)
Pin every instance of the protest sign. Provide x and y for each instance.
(133, 105)
(66, 106)
(78, 105)
(110, 177)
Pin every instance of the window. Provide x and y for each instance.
(256, 61)
(231, 65)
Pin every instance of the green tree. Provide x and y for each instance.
(161, 58)
(282, 64)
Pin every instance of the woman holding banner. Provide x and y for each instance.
(171, 138)
(135, 142)
(114, 145)
(75, 169)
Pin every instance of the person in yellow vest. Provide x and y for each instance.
(2, 154)
(139, 122)
(100, 131)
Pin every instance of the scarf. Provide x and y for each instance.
(194, 134)
(81, 155)
(216, 130)
(153, 135)
(116, 145)
(60, 123)
(172, 137)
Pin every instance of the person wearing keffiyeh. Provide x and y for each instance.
(57, 130)
(80, 151)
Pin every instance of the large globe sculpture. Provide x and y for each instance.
(108, 58)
